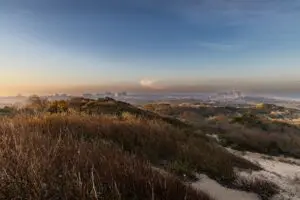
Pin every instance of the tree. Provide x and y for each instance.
(37, 102)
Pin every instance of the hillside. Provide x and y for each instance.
(265, 134)
(113, 107)
(264, 128)
(107, 149)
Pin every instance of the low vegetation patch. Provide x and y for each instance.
(244, 129)
(265, 189)
(7, 111)
(255, 140)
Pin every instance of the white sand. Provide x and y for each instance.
(285, 175)
(218, 192)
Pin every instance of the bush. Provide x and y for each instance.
(265, 189)
(37, 103)
(58, 107)
(7, 110)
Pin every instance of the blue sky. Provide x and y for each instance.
(97, 42)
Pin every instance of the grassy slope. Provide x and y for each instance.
(245, 128)
(260, 135)
(153, 140)
(78, 154)
(113, 107)
(69, 157)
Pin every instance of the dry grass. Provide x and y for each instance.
(152, 140)
(243, 128)
(60, 157)
(273, 139)
(105, 149)
(256, 140)
(113, 107)
(265, 189)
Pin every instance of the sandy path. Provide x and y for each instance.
(218, 192)
(285, 175)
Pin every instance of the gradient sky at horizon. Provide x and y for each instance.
(67, 42)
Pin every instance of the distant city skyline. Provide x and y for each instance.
(192, 45)
(250, 87)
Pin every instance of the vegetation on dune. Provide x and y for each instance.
(153, 140)
(254, 121)
(246, 129)
(103, 106)
(7, 111)
(58, 165)
(265, 189)
(271, 143)
(253, 133)
(107, 149)
(203, 111)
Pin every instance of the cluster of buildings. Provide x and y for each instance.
(106, 94)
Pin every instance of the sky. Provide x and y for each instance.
(59, 44)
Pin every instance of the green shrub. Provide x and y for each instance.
(7, 110)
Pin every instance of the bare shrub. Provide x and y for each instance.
(265, 189)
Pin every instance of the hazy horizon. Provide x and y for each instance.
(149, 46)
(271, 88)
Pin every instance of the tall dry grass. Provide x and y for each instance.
(158, 142)
(73, 157)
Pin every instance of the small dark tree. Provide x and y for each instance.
(37, 103)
